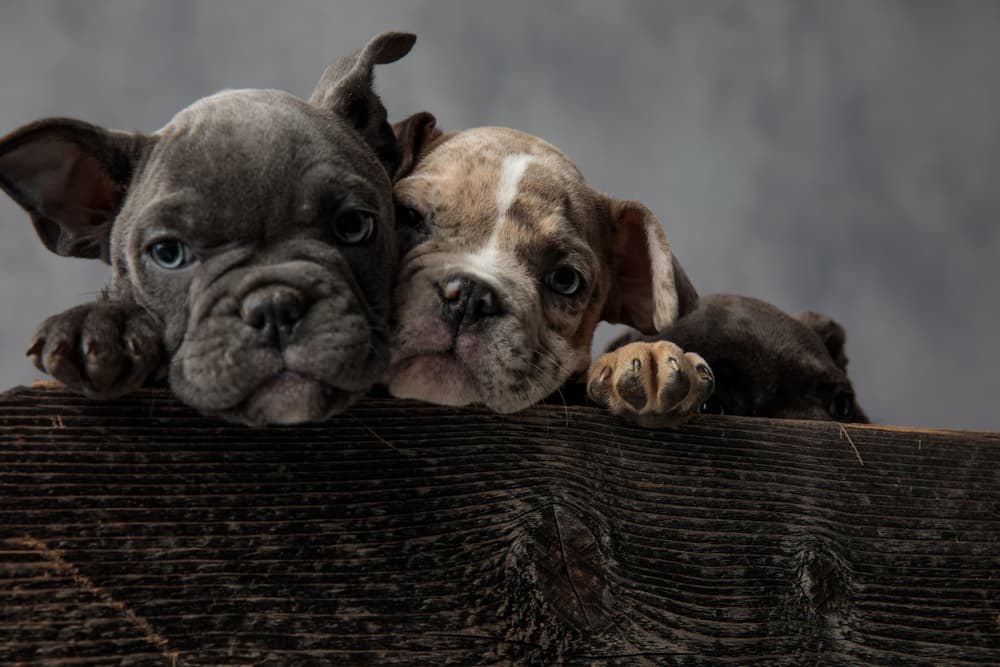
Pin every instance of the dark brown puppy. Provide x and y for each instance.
(766, 362)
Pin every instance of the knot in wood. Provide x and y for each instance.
(562, 556)
(823, 578)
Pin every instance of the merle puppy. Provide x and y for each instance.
(510, 259)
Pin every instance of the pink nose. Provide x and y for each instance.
(465, 301)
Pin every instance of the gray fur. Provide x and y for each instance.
(252, 182)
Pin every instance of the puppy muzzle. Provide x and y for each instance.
(462, 338)
(282, 343)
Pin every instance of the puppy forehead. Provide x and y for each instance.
(481, 179)
(256, 133)
(247, 158)
(241, 115)
(483, 154)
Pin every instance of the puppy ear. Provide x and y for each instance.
(415, 136)
(830, 332)
(346, 89)
(71, 177)
(687, 295)
(649, 289)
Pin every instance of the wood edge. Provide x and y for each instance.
(46, 388)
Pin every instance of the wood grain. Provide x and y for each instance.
(137, 532)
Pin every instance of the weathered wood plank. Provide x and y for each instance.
(137, 531)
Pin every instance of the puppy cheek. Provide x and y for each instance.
(557, 347)
(375, 282)
(515, 368)
(340, 348)
(219, 365)
(490, 352)
(415, 322)
(176, 324)
(567, 335)
(565, 357)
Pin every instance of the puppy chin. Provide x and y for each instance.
(291, 398)
(434, 378)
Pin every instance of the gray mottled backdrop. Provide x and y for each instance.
(840, 156)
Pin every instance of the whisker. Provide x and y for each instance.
(562, 397)
(554, 360)
(380, 438)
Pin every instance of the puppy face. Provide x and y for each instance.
(509, 261)
(255, 229)
(271, 275)
(768, 363)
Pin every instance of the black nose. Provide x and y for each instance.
(274, 311)
(465, 301)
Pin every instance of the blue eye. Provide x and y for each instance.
(353, 227)
(170, 254)
(564, 280)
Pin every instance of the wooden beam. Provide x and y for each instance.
(136, 530)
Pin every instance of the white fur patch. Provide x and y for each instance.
(511, 172)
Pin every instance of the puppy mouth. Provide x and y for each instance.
(439, 376)
(291, 397)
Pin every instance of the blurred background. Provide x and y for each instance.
(835, 156)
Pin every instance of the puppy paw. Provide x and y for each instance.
(654, 384)
(100, 350)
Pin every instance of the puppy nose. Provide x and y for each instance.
(465, 301)
(274, 311)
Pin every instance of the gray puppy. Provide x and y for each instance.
(766, 362)
(251, 242)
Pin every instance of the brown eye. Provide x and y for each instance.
(713, 406)
(353, 227)
(842, 406)
(411, 227)
(408, 217)
(564, 280)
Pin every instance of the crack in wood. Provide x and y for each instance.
(568, 571)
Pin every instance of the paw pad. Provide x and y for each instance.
(99, 349)
(653, 383)
(631, 386)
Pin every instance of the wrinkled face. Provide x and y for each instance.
(260, 232)
(500, 287)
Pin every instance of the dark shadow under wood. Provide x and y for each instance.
(137, 531)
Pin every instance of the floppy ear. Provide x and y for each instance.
(830, 332)
(346, 89)
(415, 136)
(71, 177)
(649, 290)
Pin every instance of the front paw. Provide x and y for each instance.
(101, 350)
(654, 384)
